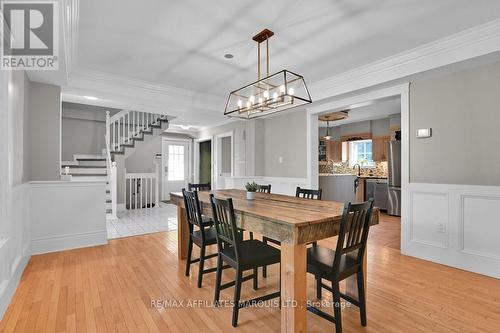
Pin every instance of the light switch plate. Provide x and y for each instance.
(423, 133)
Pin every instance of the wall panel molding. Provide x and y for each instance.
(472, 228)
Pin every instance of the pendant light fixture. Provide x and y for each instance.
(327, 137)
(273, 93)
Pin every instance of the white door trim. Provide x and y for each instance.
(402, 90)
(196, 158)
(218, 157)
(190, 161)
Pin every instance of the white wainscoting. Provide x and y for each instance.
(279, 185)
(14, 244)
(455, 225)
(67, 215)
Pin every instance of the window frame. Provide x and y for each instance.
(354, 159)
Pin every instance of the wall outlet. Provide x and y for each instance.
(441, 228)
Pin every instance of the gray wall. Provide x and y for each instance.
(463, 111)
(44, 128)
(141, 159)
(226, 154)
(285, 136)
(81, 136)
(83, 129)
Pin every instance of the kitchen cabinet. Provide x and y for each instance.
(338, 187)
(379, 148)
(334, 151)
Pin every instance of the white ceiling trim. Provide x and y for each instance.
(122, 92)
(474, 42)
(68, 46)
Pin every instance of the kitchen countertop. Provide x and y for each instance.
(349, 174)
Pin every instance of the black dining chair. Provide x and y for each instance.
(346, 260)
(201, 233)
(299, 193)
(242, 255)
(199, 187)
(264, 188)
(308, 194)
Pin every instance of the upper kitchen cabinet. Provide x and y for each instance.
(379, 146)
(334, 150)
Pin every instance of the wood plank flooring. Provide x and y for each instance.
(111, 288)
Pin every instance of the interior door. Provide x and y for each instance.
(175, 167)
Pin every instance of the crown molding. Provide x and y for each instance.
(471, 43)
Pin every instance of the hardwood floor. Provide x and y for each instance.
(111, 288)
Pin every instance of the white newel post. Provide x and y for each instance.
(113, 185)
(108, 126)
(157, 187)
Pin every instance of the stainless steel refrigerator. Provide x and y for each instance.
(394, 178)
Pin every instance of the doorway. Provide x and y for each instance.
(224, 159)
(175, 166)
(401, 91)
(205, 162)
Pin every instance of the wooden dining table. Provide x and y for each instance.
(294, 222)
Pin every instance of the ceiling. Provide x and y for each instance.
(378, 109)
(182, 43)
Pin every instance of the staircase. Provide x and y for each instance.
(123, 131)
(90, 167)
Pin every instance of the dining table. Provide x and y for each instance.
(295, 222)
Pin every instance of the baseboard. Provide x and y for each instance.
(68, 242)
(8, 287)
(121, 207)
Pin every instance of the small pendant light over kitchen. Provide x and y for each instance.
(327, 137)
(273, 93)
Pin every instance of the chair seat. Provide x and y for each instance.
(254, 253)
(207, 220)
(320, 262)
(210, 236)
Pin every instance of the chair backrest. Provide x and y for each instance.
(225, 223)
(193, 210)
(353, 234)
(199, 187)
(308, 194)
(264, 188)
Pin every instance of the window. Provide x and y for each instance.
(360, 152)
(175, 163)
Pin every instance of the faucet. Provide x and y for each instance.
(359, 168)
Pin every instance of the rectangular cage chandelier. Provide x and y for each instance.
(273, 93)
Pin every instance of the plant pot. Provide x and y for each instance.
(250, 195)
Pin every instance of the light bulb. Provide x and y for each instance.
(282, 89)
(252, 99)
(248, 105)
(275, 95)
(291, 91)
(266, 94)
(240, 103)
(260, 100)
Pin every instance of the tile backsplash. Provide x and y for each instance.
(380, 169)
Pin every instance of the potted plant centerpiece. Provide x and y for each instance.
(251, 189)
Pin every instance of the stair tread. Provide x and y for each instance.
(71, 166)
(88, 174)
(91, 159)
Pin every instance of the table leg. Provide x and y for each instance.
(293, 288)
(182, 233)
(352, 282)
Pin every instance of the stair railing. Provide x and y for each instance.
(142, 190)
(125, 125)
